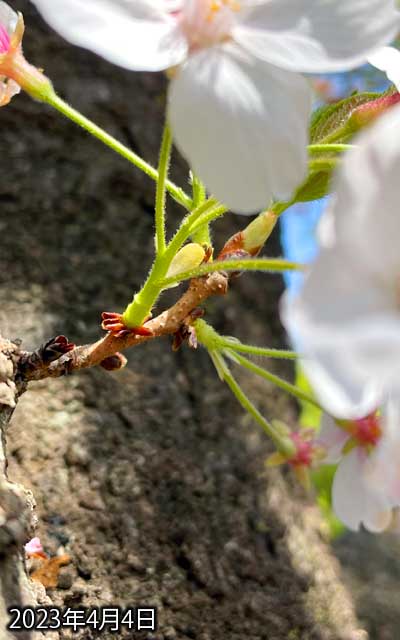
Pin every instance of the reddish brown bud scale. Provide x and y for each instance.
(60, 345)
(46, 354)
(208, 253)
(232, 246)
(187, 332)
(114, 323)
(250, 241)
(234, 255)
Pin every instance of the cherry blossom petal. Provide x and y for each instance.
(365, 208)
(382, 468)
(332, 439)
(242, 126)
(317, 36)
(8, 17)
(326, 322)
(171, 5)
(353, 500)
(387, 59)
(138, 35)
(346, 320)
(34, 546)
(341, 392)
(8, 89)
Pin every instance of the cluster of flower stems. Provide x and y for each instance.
(201, 212)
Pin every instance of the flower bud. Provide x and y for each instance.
(258, 231)
(116, 362)
(302, 452)
(251, 240)
(187, 258)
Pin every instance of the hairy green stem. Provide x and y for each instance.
(198, 191)
(69, 112)
(163, 168)
(205, 219)
(271, 377)
(324, 148)
(273, 265)
(211, 210)
(282, 443)
(235, 345)
(323, 164)
(202, 235)
(140, 307)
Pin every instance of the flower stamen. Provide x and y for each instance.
(365, 432)
(217, 5)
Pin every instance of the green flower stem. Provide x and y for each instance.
(282, 443)
(324, 148)
(198, 191)
(163, 167)
(279, 207)
(323, 164)
(211, 210)
(209, 217)
(202, 235)
(55, 101)
(276, 380)
(247, 264)
(281, 354)
(140, 307)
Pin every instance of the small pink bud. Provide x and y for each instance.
(305, 454)
(304, 451)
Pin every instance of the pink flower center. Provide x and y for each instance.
(207, 22)
(4, 40)
(367, 431)
(304, 451)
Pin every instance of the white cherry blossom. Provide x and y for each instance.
(387, 59)
(8, 24)
(346, 318)
(238, 106)
(366, 485)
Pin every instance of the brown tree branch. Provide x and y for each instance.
(167, 323)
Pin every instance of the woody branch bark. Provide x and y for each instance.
(16, 503)
(167, 323)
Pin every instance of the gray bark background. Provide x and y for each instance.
(151, 479)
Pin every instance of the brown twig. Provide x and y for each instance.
(167, 323)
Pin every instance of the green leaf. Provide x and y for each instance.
(314, 187)
(335, 122)
(328, 121)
